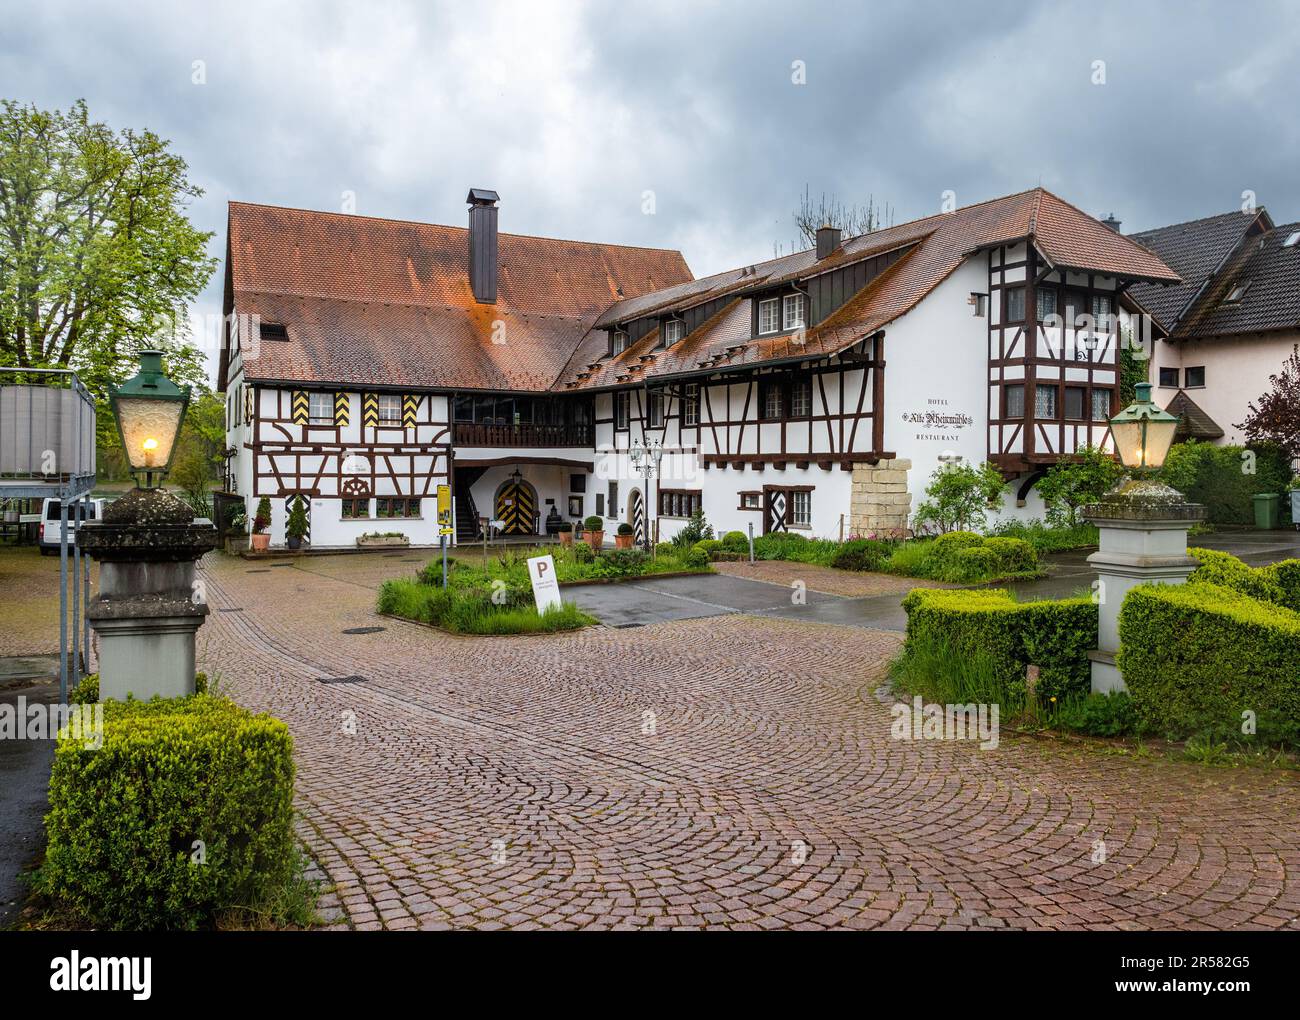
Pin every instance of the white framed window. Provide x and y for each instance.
(800, 398)
(320, 408)
(390, 409)
(655, 408)
(772, 404)
(1100, 405)
(792, 314)
(768, 311)
(617, 342)
(691, 404)
(674, 330)
(801, 508)
(621, 409)
(751, 501)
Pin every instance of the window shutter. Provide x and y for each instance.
(370, 409)
(341, 409)
(299, 407)
(248, 405)
(409, 403)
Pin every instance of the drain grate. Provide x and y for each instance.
(282, 564)
(363, 630)
(234, 609)
(341, 679)
(626, 626)
(257, 570)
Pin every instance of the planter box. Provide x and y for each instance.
(383, 541)
(595, 538)
(566, 537)
(623, 541)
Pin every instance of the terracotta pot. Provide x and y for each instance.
(566, 537)
(595, 539)
(623, 541)
(261, 541)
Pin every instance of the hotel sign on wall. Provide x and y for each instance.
(938, 421)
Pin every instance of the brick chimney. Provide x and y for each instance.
(483, 244)
(1111, 222)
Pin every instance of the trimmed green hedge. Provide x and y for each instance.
(1055, 635)
(1224, 569)
(1286, 575)
(862, 554)
(1195, 656)
(87, 690)
(125, 819)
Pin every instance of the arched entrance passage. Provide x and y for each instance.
(516, 506)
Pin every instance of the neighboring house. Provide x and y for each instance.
(369, 360)
(1232, 322)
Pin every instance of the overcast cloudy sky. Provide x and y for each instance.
(572, 111)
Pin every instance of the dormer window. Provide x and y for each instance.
(273, 331)
(674, 330)
(1292, 240)
(792, 312)
(768, 312)
(617, 341)
(1237, 293)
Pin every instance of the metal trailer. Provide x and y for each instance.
(47, 451)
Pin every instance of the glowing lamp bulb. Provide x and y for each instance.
(150, 444)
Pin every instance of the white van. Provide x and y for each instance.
(51, 528)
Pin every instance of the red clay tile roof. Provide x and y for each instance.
(374, 301)
(387, 302)
(935, 247)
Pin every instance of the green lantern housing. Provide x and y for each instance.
(1143, 432)
(149, 409)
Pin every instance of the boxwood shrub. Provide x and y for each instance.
(735, 541)
(1286, 575)
(86, 692)
(1226, 570)
(862, 554)
(1196, 656)
(1055, 635)
(1015, 555)
(186, 810)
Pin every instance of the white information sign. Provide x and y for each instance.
(546, 588)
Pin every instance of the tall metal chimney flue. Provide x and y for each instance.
(483, 244)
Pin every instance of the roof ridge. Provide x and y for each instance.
(445, 226)
(1200, 219)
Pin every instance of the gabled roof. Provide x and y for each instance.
(932, 248)
(1193, 423)
(1268, 273)
(388, 302)
(385, 302)
(1196, 251)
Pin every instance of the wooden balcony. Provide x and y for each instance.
(522, 435)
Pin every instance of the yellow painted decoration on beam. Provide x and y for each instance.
(300, 407)
(342, 409)
(409, 403)
(370, 409)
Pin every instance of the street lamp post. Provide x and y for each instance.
(1142, 526)
(148, 606)
(646, 456)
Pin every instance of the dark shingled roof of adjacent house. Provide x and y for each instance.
(387, 303)
(1193, 422)
(1267, 272)
(1196, 251)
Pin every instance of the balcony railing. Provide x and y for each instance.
(522, 435)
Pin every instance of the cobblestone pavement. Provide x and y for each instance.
(520, 782)
(29, 601)
(825, 579)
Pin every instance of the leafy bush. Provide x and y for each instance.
(296, 525)
(1099, 715)
(694, 530)
(736, 541)
(1286, 576)
(1055, 635)
(626, 529)
(665, 549)
(1219, 477)
(262, 519)
(1070, 485)
(1015, 555)
(1046, 538)
(594, 523)
(564, 527)
(1225, 569)
(975, 564)
(185, 811)
(583, 553)
(958, 497)
(862, 554)
(623, 562)
(1196, 656)
(944, 549)
(86, 692)
(696, 557)
(943, 675)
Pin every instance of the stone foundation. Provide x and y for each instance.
(880, 501)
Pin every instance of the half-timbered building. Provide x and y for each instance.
(368, 361)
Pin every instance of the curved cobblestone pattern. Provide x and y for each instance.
(508, 782)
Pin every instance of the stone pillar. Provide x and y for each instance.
(1143, 529)
(880, 501)
(147, 608)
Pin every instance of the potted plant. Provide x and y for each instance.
(565, 530)
(595, 531)
(295, 529)
(262, 525)
(623, 539)
(237, 533)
